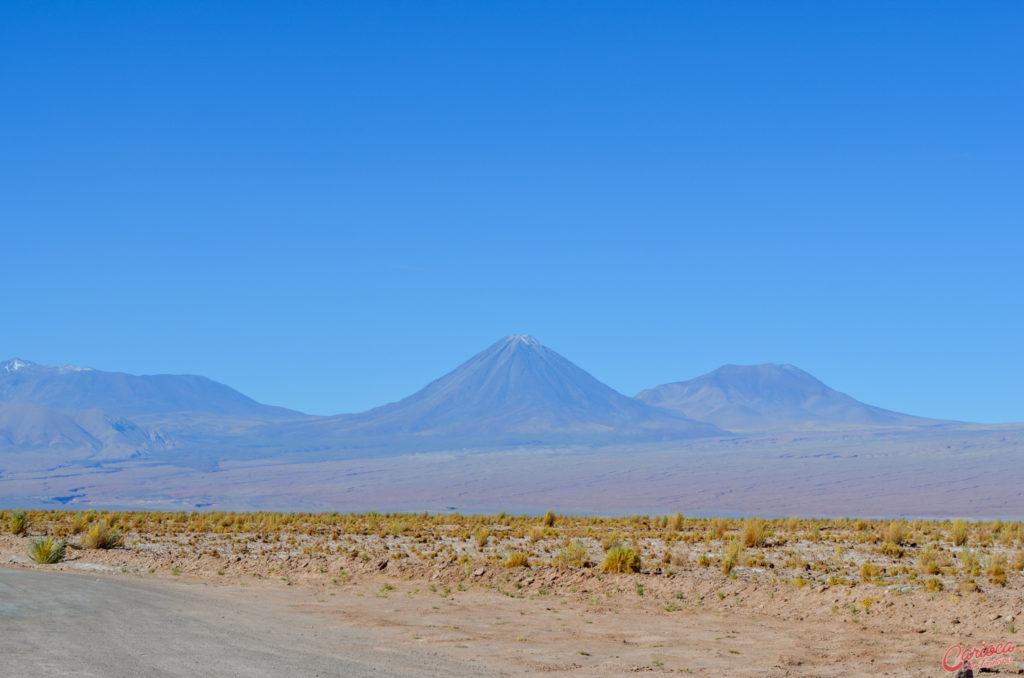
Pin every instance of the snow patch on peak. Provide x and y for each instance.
(16, 364)
(523, 339)
(74, 368)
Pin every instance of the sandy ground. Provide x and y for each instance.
(493, 621)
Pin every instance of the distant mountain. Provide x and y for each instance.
(25, 427)
(770, 398)
(517, 391)
(74, 389)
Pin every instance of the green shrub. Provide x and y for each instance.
(47, 550)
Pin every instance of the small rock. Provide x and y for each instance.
(479, 572)
(954, 621)
(964, 672)
(994, 616)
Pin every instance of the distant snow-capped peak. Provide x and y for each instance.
(15, 365)
(18, 364)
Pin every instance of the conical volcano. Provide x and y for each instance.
(520, 391)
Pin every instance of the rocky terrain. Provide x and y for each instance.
(515, 593)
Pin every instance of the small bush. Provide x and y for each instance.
(78, 523)
(933, 584)
(516, 559)
(896, 533)
(100, 536)
(892, 550)
(869, 571)
(928, 561)
(680, 557)
(754, 532)
(549, 519)
(997, 570)
(19, 523)
(47, 550)
(731, 556)
(676, 522)
(970, 562)
(482, 535)
(612, 540)
(573, 554)
(621, 559)
(968, 586)
(958, 534)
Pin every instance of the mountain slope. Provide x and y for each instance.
(770, 397)
(91, 434)
(74, 389)
(517, 391)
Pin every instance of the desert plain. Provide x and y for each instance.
(451, 594)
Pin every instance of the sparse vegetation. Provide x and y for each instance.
(916, 555)
(621, 559)
(958, 535)
(573, 554)
(18, 523)
(47, 550)
(101, 536)
(731, 556)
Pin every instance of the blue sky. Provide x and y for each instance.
(327, 205)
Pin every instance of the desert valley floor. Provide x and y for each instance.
(414, 594)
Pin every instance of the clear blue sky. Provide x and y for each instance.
(327, 205)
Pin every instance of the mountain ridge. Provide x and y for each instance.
(770, 397)
(70, 388)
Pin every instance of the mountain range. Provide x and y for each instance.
(517, 426)
(516, 392)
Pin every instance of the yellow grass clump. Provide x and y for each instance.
(100, 536)
(621, 559)
(47, 550)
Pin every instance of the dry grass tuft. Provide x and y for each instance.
(18, 523)
(754, 532)
(997, 570)
(573, 554)
(100, 536)
(731, 556)
(958, 535)
(516, 559)
(621, 559)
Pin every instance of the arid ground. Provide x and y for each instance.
(497, 595)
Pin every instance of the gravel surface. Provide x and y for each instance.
(62, 624)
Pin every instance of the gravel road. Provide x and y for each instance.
(61, 624)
